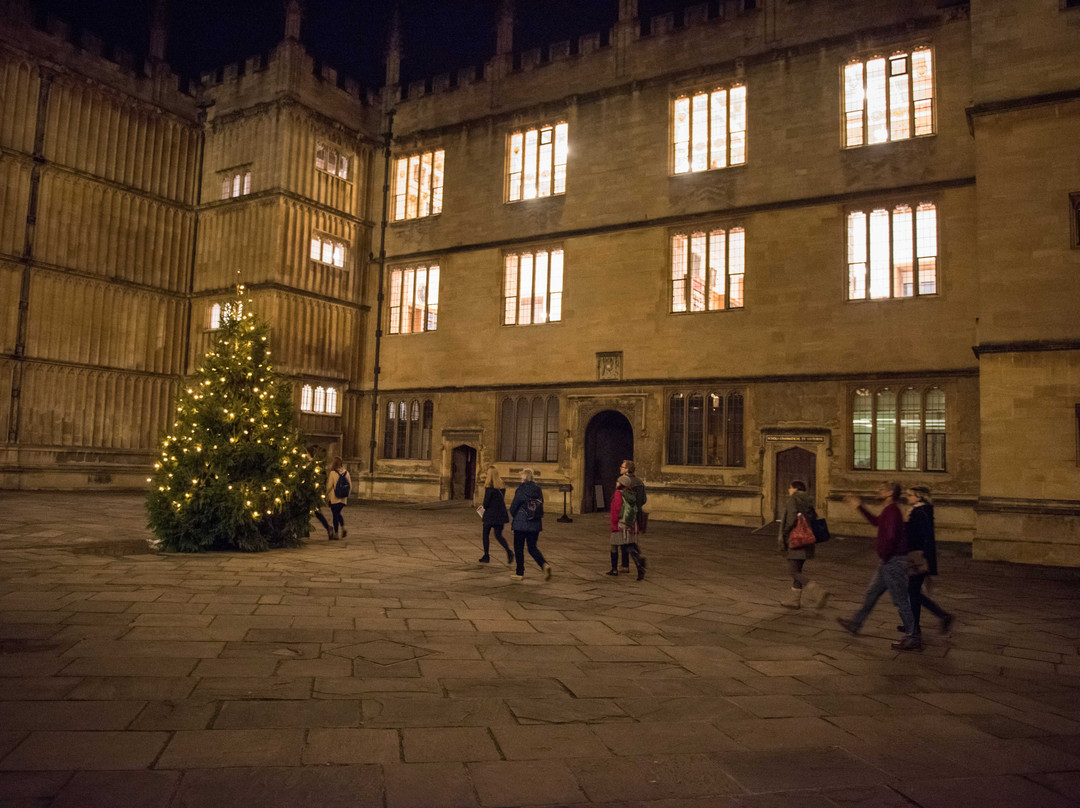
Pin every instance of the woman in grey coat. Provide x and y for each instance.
(799, 501)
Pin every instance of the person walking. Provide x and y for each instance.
(624, 526)
(892, 572)
(627, 469)
(338, 483)
(527, 513)
(495, 515)
(799, 501)
(920, 535)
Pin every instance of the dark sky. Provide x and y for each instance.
(438, 35)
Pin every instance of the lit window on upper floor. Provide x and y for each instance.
(235, 183)
(418, 185)
(219, 312)
(319, 399)
(332, 160)
(709, 130)
(536, 162)
(328, 251)
(414, 299)
(707, 268)
(892, 252)
(888, 99)
(532, 287)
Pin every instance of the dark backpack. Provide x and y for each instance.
(534, 509)
(342, 486)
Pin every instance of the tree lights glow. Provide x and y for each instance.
(233, 473)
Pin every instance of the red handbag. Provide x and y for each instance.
(801, 535)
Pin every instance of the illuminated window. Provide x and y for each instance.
(414, 299)
(709, 130)
(418, 185)
(319, 399)
(407, 429)
(898, 430)
(532, 287)
(220, 312)
(332, 160)
(707, 268)
(327, 250)
(892, 252)
(235, 183)
(705, 429)
(529, 429)
(536, 164)
(889, 99)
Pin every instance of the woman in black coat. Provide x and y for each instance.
(527, 510)
(920, 536)
(495, 515)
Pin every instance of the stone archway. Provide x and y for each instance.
(462, 472)
(609, 439)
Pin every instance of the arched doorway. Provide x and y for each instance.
(462, 472)
(793, 464)
(609, 440)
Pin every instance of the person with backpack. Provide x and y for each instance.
(527, 513)
(624, 525)
(799, 502)
(628, 469)
(338, 485)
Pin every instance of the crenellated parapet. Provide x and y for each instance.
(57, 48)
(702, 40)
(288, 71)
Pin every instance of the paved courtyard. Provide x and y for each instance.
(393, 670)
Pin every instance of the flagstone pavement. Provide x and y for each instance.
(391, 669)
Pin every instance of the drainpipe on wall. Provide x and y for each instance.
(379, 299)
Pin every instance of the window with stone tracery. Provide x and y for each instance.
(529, 429)
(328, 250)
(705, 428)
(707, 268)
(332, 160)
(898, 430)
(414, 299)
(892, 251)
(319, 399)
(536, 162)
(532, 287)
(418, 185)
(709, 129)
(235, 183)
(407, 429)
(219, 311)
(889, 98)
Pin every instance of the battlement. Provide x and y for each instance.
(87, 53)
(719, 38)
(628, 33)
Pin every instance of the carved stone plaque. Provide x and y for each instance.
(609, 366)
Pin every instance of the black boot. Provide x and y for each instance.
(614, 563)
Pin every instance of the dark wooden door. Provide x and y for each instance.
(793, 464)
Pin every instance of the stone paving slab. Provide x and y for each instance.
(392, 670)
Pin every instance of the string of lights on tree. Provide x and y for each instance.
(233, 471)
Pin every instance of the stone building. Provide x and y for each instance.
(744, 244)
(130, 212)
(758, 242)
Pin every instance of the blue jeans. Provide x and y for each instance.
(891, 577)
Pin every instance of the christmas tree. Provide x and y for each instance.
(233, 472)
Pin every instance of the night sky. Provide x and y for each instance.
(438, 35)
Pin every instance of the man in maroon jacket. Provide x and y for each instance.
(892, 573)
